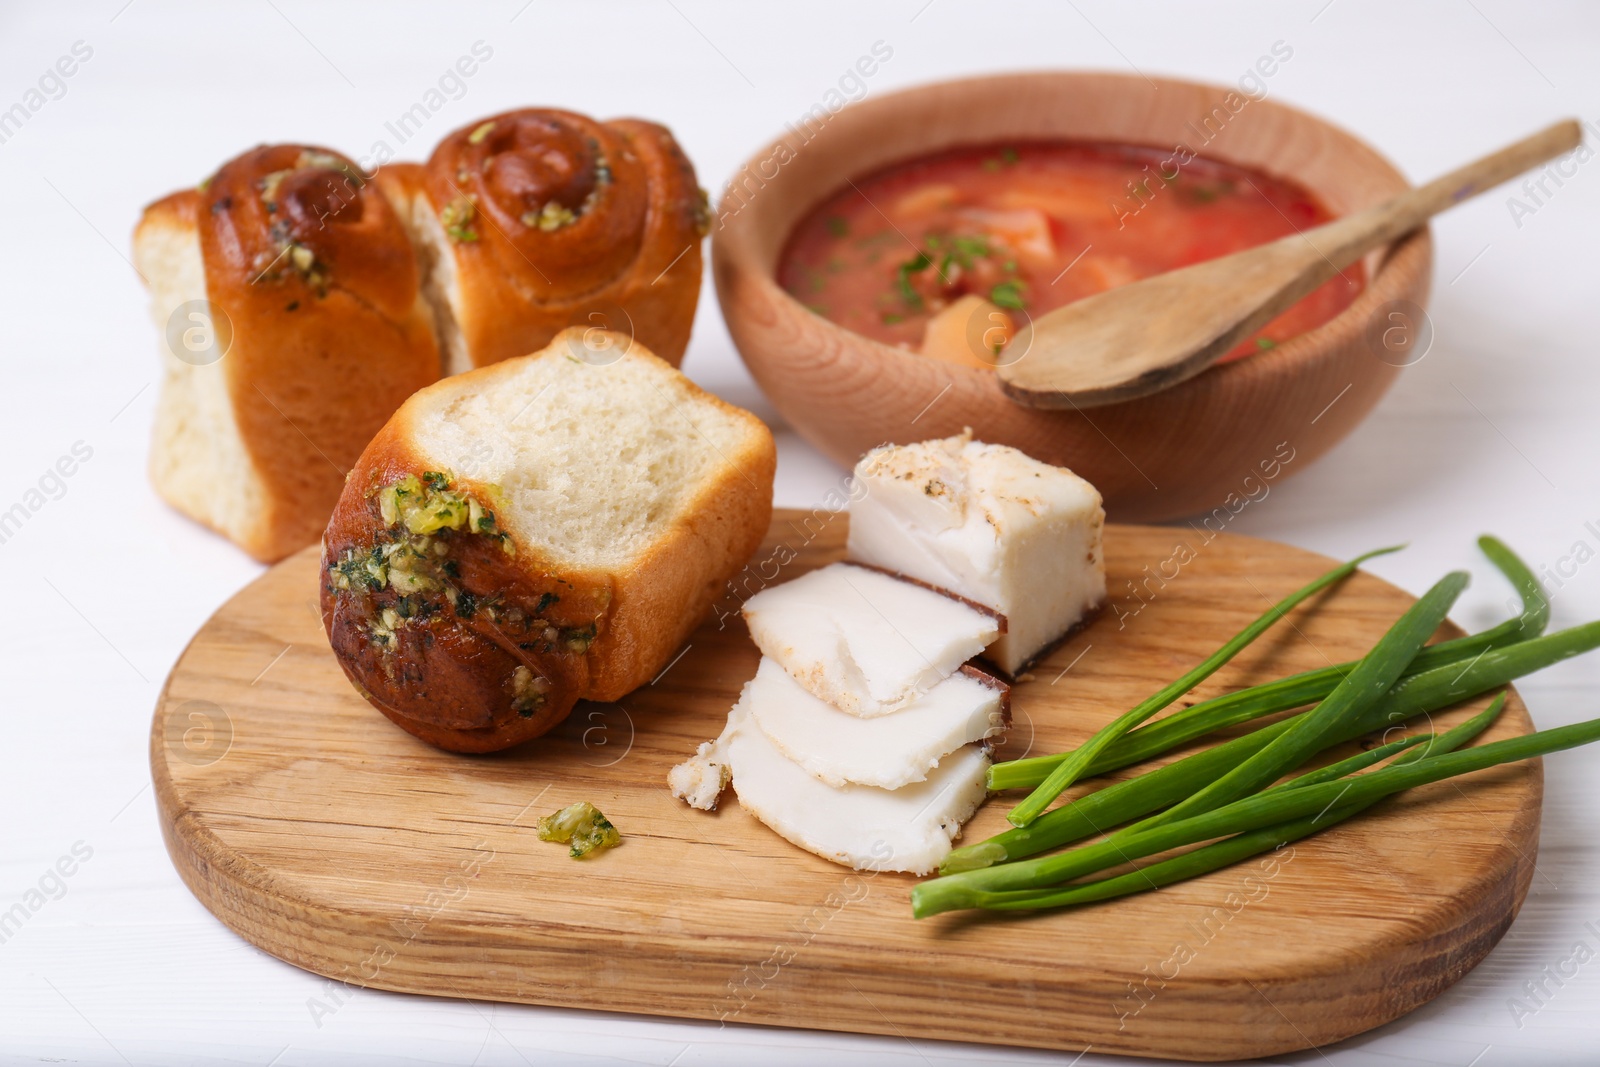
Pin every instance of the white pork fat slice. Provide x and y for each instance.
(860, 826)
(991, 524)
(864, 641)
(699, 780)
(888, 751)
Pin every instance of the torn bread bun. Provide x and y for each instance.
(292, 326)
(546, 529)
(889, 751)
(860, 826)
(534, 220)
(989, 523)
(865, 641)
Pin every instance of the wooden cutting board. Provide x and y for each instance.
(331, 839)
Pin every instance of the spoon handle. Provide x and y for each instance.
(1140, 338)
(1345, 240)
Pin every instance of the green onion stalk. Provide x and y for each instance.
(1075, 763)
(1317, 728)
(1122, 801)
(1242, 846)
(1285, 694)
(977, 889)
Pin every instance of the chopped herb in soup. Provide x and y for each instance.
(916, 254)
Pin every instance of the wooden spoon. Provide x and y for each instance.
(1143, 337)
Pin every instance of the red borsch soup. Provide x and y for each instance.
(915, 254)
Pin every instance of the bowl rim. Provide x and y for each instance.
(1390, 270)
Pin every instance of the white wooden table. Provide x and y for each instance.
(1495, 430)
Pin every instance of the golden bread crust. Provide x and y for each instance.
(329, 333)
(610, 238)
(445, 666)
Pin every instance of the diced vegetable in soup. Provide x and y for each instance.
(950, 254)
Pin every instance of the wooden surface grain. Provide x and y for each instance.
(326, 836)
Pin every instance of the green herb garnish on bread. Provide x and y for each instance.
(539, 531)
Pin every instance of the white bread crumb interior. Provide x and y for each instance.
(198, 460)
(597, 451)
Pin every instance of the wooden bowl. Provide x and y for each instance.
(1210, 444)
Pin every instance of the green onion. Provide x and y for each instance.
(1257, 701)
(1252, 843)
(1118, 802)
(963, 250)
(903, 273)
(1007, 294)
(970, 247)
(1250, 813)
(1351, 764)
(1076, 763)
(1314, 731)
(1438, 744)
